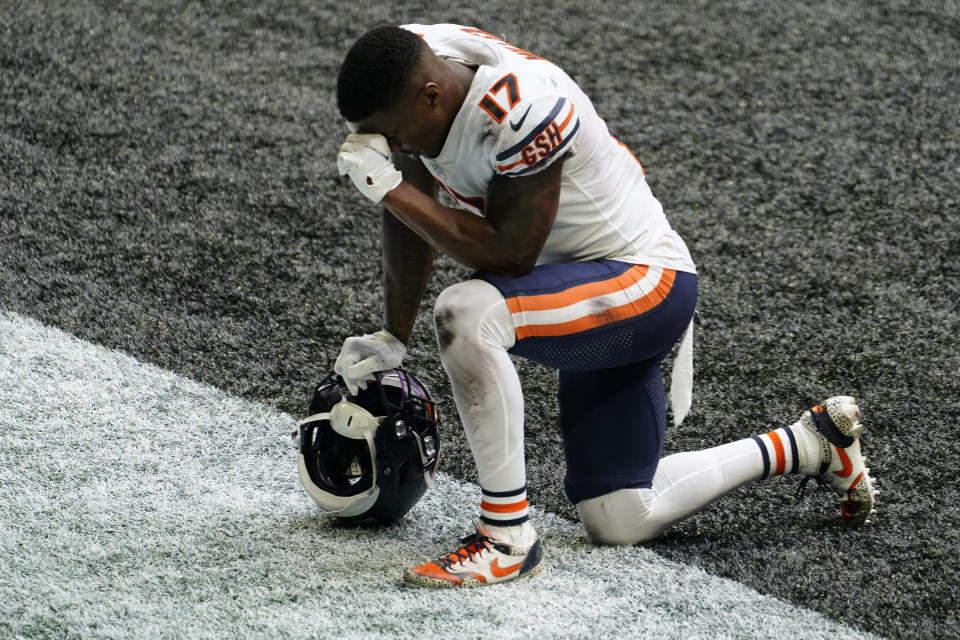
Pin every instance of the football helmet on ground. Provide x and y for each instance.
(369, 457)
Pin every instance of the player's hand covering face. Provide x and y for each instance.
(365, 157)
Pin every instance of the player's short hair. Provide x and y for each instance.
(375, 71)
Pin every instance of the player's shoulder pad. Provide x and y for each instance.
(535, 134)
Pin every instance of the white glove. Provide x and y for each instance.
(366, 158)
(361, 356)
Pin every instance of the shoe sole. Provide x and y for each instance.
(412, 579)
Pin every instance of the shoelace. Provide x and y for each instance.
(472, 545)
(802, 488)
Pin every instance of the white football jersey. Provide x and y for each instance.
(521, 114)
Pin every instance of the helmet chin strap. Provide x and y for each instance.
(314, 417)
(353, 421)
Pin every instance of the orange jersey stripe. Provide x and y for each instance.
(504, 508)
(778, 447)
(568, 118)
(577, 294)
(607, 316)
(506, 167)
(642, 170)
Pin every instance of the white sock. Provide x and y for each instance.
(504, 508)
(687, 482)
(793, 449)
(518, 535)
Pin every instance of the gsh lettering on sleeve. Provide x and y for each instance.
(542, 145)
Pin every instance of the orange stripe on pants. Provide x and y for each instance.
(606, 316)
(577, 294)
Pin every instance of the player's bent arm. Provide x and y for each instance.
(519, 215)
(407, 258)
(415, 173)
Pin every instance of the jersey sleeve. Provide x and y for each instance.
(535, 135)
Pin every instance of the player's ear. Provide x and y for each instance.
(431, 93)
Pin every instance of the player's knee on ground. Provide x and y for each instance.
(620, 517)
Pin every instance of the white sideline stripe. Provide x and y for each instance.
(135, 503)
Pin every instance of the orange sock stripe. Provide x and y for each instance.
(512, 507)
(778, 448)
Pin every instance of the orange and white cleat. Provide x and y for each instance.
(513, 552)
(842, 465)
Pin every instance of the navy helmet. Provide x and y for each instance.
(369, 457)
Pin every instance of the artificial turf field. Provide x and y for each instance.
(168, 189)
